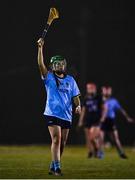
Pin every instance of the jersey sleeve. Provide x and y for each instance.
(75, 89)
(117, 105)
(47, 77)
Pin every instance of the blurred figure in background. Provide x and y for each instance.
(109, 123)
(90, 119)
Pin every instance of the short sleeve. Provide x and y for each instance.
(47, 77)
(117, 105)
(75, 89)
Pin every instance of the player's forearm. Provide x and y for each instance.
(103, 113)
(81, 119)
(41, 64)
(103, 117)
(77, 101)
(124, 113)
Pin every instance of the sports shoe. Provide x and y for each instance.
(90, 155)
(51, 171)
(58, 172)
(100, 154)
(123, 156)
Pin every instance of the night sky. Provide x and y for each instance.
(96, 37)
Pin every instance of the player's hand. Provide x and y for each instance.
(80, 124)
(78, 110)
(100, 124)
(40, 42)
(130, 120)
(102, 120)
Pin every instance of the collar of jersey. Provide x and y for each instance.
(60, 77)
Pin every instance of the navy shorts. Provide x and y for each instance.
(51, 120)
(88, 123)
(109, 125)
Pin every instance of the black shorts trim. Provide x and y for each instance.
(109, 125)
(52, 120)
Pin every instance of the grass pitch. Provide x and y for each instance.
(32, 162)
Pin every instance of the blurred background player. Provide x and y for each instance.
(61, 90)
(109, 124)
(90, 118)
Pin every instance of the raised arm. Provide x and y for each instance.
(42, 67)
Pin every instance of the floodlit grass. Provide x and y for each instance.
(32, 162)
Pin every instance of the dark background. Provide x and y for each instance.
(96, 37)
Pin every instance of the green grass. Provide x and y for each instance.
(32, 162)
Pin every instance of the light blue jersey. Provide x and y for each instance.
(112, 105)
(60, 92)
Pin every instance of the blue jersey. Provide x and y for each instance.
(60, 92)
(112, 105)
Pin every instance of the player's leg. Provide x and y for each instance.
(103, 131)
(64, 137)
(117, 142)
(99, 136)
(89, 145)
(55, 133)
(101, 139)
(94, 138)
(97, 141)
